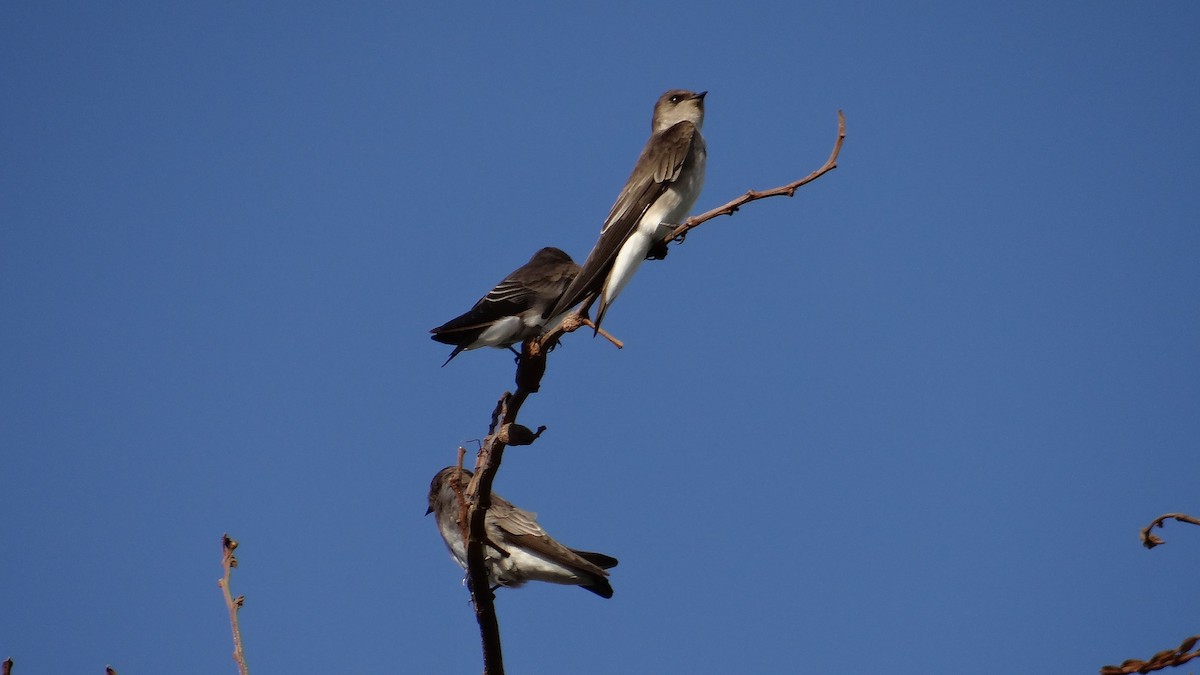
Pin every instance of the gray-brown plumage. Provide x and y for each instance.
(517, 308)
(519, 549)
(661, 190)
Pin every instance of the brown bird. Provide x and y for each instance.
(519, 550)
(659, 193)
(515, 309)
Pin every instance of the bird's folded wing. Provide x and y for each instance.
(506, 299)
(522, 529)
(656, 169)
(512, 296)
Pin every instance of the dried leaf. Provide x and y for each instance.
(516, 434)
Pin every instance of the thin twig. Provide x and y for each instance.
(6, 667)
(228, 562)
(731, 207)
(531, 366)
(1150, 540)
(109, 670)
(608, 336)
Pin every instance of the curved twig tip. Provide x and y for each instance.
(1150, 540)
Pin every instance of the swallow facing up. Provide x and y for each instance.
(518, 549)
(661, 190)
(517, 308)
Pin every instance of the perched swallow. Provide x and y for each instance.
(517, 308)
(518, 549)
(660, 192)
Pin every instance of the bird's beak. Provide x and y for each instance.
(429, 510)
(701, 95)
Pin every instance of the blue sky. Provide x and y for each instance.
(910, 420)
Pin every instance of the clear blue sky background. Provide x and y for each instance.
(909, 421)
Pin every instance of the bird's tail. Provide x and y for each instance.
(598, 559)
(457, 350)
(601, 588)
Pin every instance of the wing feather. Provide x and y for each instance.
(522, 528)
(658, 166)
(520, 291)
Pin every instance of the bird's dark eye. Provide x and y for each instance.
(676, 98)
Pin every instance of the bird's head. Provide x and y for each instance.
(678, 105)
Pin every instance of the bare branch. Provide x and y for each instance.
(1150, 540)
(789, 190)
(608, 336)
(479, 498)
(228, 562)
(504, 431)
(6, 667)
(1165, 659)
